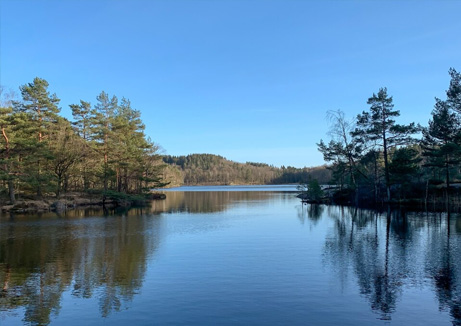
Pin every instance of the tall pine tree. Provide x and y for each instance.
(378, 126)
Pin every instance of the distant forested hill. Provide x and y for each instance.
(209, 169)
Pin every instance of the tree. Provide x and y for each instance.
(6, 111)
(454, 91)
(82, 118)
(441, 139)
(378, 126)
(68, 149)
(314, 191)
(344, 149)
(102, 120)
(404, 167)
(42, 111)
(38, 102)
(128, 134)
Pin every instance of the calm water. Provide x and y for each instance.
(231, 258)
(274, 188)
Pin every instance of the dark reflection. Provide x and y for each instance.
(390, 249)
(312, 212)
(445, 268)
(42, 256)
(210, 201)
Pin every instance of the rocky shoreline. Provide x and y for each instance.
(75, 201)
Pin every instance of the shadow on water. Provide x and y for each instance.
(312, 212)
(210, 201)
(44, 255)
(389, 250)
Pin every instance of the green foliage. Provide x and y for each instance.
(380, 158)
(404, 168)
(378, 127)
(311, 191)
(442, 138)
(196, 169)
(41, 106)
(104, 148)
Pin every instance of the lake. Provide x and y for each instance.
(254, 256)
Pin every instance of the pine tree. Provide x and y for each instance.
(42, 111)
(454, 91)
(378, 126)
(441, 139)
(102, 133)
(68, 149)
(6, 111)
(82, 118)
(42, 107)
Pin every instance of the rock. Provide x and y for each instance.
(31, 206)
(7, 207)
(59, 205)
(156, 195)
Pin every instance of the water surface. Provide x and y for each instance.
(231, 258)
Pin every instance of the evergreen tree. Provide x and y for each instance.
(42, 111)
(454, 91)
(441, 139)
(6, 159)
(82, 118)
(378, 126)
(102, 134)
(40, 104)
(68, 149)
(104, 147)
(404, 168)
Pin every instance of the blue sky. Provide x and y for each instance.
(248, 80)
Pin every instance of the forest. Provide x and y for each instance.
(376, 160)
(209, 169)
(103, 150)
(372, 159)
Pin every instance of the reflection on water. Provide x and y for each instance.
(41, 257)
(106, 258)
(209, 201)
(391, 251)
(310, 212)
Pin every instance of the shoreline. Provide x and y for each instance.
(76, 201)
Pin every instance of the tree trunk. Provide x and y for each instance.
(119, 180)
(447, 176)
(427, 195)
(7, 166)
(376, 179)
(58, 188)
(386, 168)
(125, 180)
(85, 179)
(11, 191)
(39, 188)
(105, 172)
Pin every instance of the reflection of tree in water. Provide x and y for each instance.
(207, 201)
(384, 251)
(443, 265)
(97, 257)
(312, 212)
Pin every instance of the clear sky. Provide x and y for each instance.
(248, 80)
